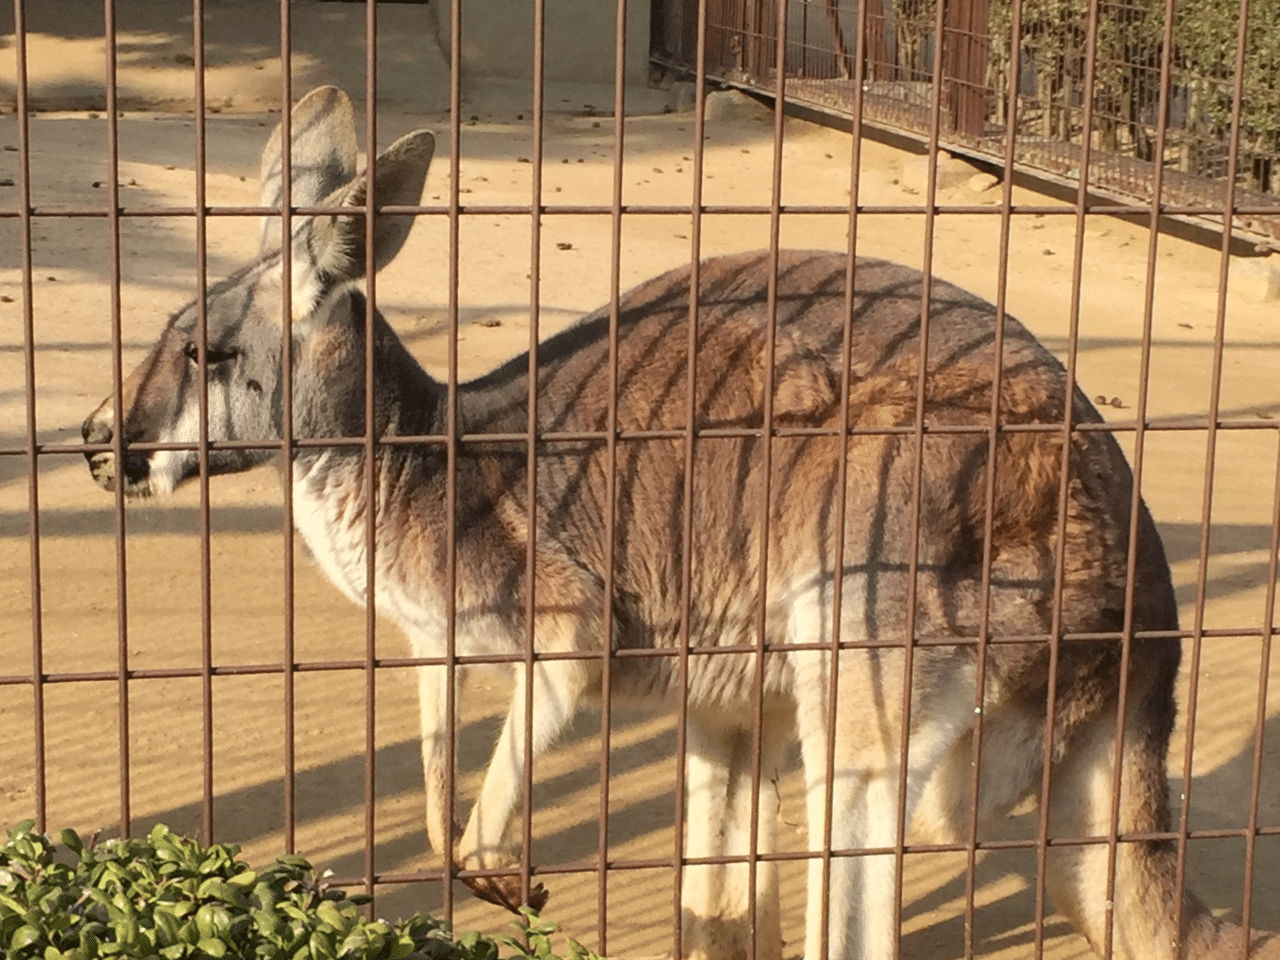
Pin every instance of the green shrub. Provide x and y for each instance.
(167, 898)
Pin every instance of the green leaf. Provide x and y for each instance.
(265, 896)
(221, 890)
(121, 905)
(246, 878)
(127, 932)
(190, 933)
(267, 922)
(204, 922)
(169, 851)
(25, 935)
(168, 928)
(71, 840)
(221, 920)
(321, 946)
(356, 943)
(332, 917)
(98, 896)
(212, 946)
(89, 940)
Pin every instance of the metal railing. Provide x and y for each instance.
(1128, 102)
(941, 111)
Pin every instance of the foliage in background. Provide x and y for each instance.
(1205, 46)
(1129, 46)
(168, 898)
(1130, 42)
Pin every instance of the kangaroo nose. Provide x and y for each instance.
(96, 428)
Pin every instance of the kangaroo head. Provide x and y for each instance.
(244, 313)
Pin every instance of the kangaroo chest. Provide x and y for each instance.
(335, 536)
(331, 520)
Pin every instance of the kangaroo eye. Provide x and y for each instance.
(212, 355)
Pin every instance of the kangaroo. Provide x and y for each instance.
(727, 587)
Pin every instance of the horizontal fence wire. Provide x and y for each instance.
(318, 666)
(1051, 104)
(1078, 95)
(1172, 425)
(709, 209)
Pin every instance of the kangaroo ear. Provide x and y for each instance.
(330, 250)
(322, 154)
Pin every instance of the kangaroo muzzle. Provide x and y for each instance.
(97, 429)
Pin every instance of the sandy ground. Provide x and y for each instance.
(77, 547)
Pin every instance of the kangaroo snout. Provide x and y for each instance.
(102, 463)
(97, 429)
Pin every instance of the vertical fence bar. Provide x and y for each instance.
(451, 455)
(766, 470)
(611, 473)
(371, 477)
(286, 424)
(202, 368)
(842, 479)
(690, 451)
(917, 472)
(29, 372)
(531, 654)
(1260, 718)
(1139, 452)
(117, 395)
(842, 474)
(1068, 427)
(531, 461)
(989, 500)
(1211, 449)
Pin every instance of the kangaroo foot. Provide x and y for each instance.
(505, 892)
(501, 891)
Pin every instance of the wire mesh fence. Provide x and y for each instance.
(1113, 54)
(681, 510)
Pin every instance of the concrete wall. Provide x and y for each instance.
(66, 53)
(497, 39)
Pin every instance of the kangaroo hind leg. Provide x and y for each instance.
(858, 897)
(716, 905)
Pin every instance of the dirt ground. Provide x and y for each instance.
(79, 615)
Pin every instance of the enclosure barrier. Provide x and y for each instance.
(855, 60)
(1149, 69)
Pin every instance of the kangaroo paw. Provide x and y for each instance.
(500, 891)
(505, 892)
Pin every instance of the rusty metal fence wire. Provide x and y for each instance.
(1128, 107)
(885, 64)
